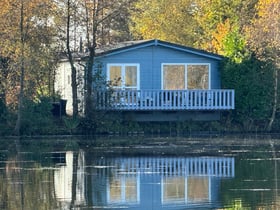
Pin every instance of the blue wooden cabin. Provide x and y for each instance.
(154, 80)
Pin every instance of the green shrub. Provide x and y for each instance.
(71, 124)
(37, 117)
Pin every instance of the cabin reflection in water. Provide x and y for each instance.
(141, 182)
(160, 182)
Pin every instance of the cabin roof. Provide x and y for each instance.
(117, 48)
(121, 47)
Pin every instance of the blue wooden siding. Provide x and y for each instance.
(150, 60)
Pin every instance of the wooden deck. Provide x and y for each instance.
(141, 100)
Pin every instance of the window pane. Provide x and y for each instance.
(131, 189)
(115, 190)
(173, 77)
(130, 76)
(115, 75)
(198, 189)
(174, 189)
(198, 77)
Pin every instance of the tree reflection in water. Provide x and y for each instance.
(76, 179)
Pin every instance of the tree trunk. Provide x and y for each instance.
(275, 100)
(17, 129)
(88, 94)
(92, 46)
(74, 180)
(71, 61)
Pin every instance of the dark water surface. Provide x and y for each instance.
(162, 174)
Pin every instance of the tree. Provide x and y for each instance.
(213, 25)
(264, 40)
(164, 19)
(22, 69)
(4, 65)
(251, 82)
(95, 22)
(26, 34)
(97, 14)
(71, 61)
(221, 26)
(227, 41)
(69, 23)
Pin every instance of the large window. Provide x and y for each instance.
(123, 76)
(190, 189)
(185, 76)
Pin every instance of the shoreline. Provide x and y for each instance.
(148, 146)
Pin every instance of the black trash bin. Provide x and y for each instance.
(59, 108)
(63, 107)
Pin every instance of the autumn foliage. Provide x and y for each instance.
(246, 32)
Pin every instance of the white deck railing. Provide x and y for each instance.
(195, 166)
(165, 100)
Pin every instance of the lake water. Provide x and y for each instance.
(163, 174)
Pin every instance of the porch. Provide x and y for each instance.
(165, 100)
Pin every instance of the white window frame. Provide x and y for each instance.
(123, 65)
(186, 71)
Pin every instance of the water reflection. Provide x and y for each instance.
(160, 182)
(132, 182)
(85, 179)
(66, 176)
(24, 184)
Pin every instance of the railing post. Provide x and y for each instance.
(140, 98)
(220, 100)
(195, 99)
(225, 99)
(232, 100)
(157, 99)
(186, 98)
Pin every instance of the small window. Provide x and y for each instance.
(124, 76)
(124, 189)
